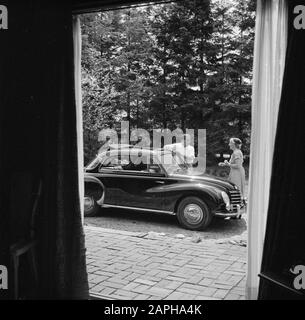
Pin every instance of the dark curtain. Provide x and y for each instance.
(285, 234)
(62, 231)
(39, 136)
(4, 194)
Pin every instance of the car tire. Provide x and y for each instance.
(91, 207)
(194, 214)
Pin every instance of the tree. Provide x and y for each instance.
(186, 64)
(231, 65)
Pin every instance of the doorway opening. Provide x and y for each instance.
(171, 67)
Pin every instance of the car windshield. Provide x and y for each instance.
(172, 163)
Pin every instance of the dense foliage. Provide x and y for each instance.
(186, 64)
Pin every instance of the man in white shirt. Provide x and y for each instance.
(184, 149)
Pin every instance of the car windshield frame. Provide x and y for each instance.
(94, 163)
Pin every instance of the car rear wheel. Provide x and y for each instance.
(91, 207)
(194, 214)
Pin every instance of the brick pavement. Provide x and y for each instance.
(129, 266)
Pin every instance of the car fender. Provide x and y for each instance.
(207, 193)
(90, 179)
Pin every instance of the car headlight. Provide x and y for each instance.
(226, 199)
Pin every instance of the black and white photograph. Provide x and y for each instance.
(154, 151)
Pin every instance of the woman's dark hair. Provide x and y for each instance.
(237, 142)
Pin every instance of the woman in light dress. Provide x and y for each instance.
(237, 171)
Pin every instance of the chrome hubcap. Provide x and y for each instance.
(88, 203)
(193, 213)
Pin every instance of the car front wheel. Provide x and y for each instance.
(91, 207)
(194, 214)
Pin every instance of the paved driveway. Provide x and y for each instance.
(152, 266)
(129, 220)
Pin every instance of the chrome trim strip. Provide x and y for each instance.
(101, 201)
(105, 205)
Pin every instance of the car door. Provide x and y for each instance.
(144, 190)
(109, 172)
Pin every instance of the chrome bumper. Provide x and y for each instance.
(229, 214)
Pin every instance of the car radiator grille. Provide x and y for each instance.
(235, 198)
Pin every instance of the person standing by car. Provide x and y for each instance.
(184, 149)
(237, 171)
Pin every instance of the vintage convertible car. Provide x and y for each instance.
(157, 181)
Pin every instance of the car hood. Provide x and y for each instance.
(206, 179)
